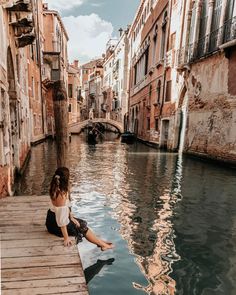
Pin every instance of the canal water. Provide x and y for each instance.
(172, 219)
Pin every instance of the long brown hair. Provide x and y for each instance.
(59, 183)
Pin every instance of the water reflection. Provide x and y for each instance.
(174, 216)
(150, 233)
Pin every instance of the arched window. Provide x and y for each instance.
(155, 38)
(163, 38)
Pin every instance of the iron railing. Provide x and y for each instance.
(208, 44)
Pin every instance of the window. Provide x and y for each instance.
(135, 74)
(35, 120)
(32, 87)
(18, 67)
(172, 41)
(192, 25)
(159, 91)
(215, 25)
(168, 91)
(146, 54)
(154, 45)
(38, 90)
(70, 90)
(148, 123)
(69, 108)
(156, 124)
(202, 29)
(163, 37)
(32, 51)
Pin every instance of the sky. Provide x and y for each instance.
(91, 23)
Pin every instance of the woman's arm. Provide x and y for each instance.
(75, 221)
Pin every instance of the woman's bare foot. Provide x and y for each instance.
(105, 242)
(107, 246)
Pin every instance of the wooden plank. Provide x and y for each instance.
(32, 260)
(31, 243)
(74, 289)
(25, 262)
(25, 236)
(32, 220)
(27, 199)
(29, 215)
(22, 229)
(37, 251)
(33, 273)
(59, 282)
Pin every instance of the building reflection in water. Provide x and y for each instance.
(145, 211)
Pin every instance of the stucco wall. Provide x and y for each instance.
(211, 125)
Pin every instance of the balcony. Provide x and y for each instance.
(221, 38)
(53, 60)
(20, 5)
(21, 19)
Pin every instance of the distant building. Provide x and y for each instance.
(91, 75)
(55, 60)
(74, 92)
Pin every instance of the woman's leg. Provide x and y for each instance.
(92, 238)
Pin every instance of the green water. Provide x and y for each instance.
(172, 219)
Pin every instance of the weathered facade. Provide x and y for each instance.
(16, 32)
(115, 85)
(34, 55)
(182, 64)
(74, 92)
(207, 61)
(55, 61)
(91, 76)
(150, 75)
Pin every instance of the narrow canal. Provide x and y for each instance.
(172, 219)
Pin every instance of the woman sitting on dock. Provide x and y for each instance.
(60, 220)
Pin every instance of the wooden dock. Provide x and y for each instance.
(32, 260)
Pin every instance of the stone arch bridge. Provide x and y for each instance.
(77, 127)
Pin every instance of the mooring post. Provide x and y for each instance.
(61, 122)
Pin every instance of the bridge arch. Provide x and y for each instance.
(77, 127)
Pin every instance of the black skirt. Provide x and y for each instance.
(72, 229)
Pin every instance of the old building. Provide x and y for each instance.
(74, 92)
(55, 60)
(91, 75)
(207, 62)
(16, 32)
(115, 86)
(34, 54)
(108, 106)
(151, 104)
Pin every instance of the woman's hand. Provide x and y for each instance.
(68, 242)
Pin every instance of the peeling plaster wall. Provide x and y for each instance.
(211, 125)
